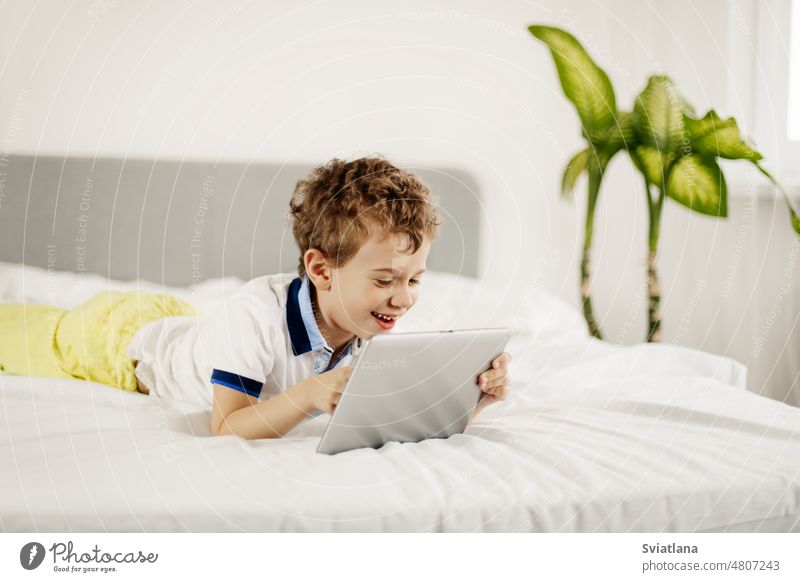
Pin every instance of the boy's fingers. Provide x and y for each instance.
(500, 382)
(489, 386)
(501, 360)
(487, 376)
(497, 372)
(492, 376)
(498, 392)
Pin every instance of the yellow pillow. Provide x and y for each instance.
(89, 342)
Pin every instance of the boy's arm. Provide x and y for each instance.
(269, 418)
(494, 384)
(482, 403)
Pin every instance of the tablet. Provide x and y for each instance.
(408, 387)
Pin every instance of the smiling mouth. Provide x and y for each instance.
(383, 321)
(384, 317)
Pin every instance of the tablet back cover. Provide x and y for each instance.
(408, 387)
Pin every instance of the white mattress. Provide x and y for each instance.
(594, 437)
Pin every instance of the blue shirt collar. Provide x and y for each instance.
(303, 329)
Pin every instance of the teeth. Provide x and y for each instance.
(383, 317)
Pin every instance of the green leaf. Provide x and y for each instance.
(575, 167)
(698, 183)
(719, 137)
(658, 115)
(794, 217)
(583, 82)
(686, 107)
(601, 157)
(596, 158)
(619, 134)
(651, 162)
(792, 214)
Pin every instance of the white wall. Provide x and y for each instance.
(426, 83)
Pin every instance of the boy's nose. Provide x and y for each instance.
(402, 299)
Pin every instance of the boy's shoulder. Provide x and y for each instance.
(267, 292)
(277, 284)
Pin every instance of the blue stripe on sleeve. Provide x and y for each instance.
(237, 382)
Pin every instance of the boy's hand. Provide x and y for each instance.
(325, 390)
(495, 381)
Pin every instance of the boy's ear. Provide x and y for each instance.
(317, 269)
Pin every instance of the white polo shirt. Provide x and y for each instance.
(261, 341)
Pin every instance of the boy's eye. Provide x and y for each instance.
(389, 282)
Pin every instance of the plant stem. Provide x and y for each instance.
(594, 189)
(653, 288)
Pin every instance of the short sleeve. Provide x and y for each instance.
(236, 343)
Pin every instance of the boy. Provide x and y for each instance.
(278, 350)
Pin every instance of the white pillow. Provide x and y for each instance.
(449, 301)
(446, 301)
(28, 284)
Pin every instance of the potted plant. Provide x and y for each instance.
(675, 152)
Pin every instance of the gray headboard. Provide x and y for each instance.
(178, 223)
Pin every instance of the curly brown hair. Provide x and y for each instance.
(339, 205)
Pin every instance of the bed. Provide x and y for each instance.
(593, 438)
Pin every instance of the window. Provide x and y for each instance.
(794, 74)
(776, 87)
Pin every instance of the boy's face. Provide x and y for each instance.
(379, 279)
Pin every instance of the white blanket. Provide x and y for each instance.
(594, 437)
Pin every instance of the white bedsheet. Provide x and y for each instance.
(594, 437)
(588, 441)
